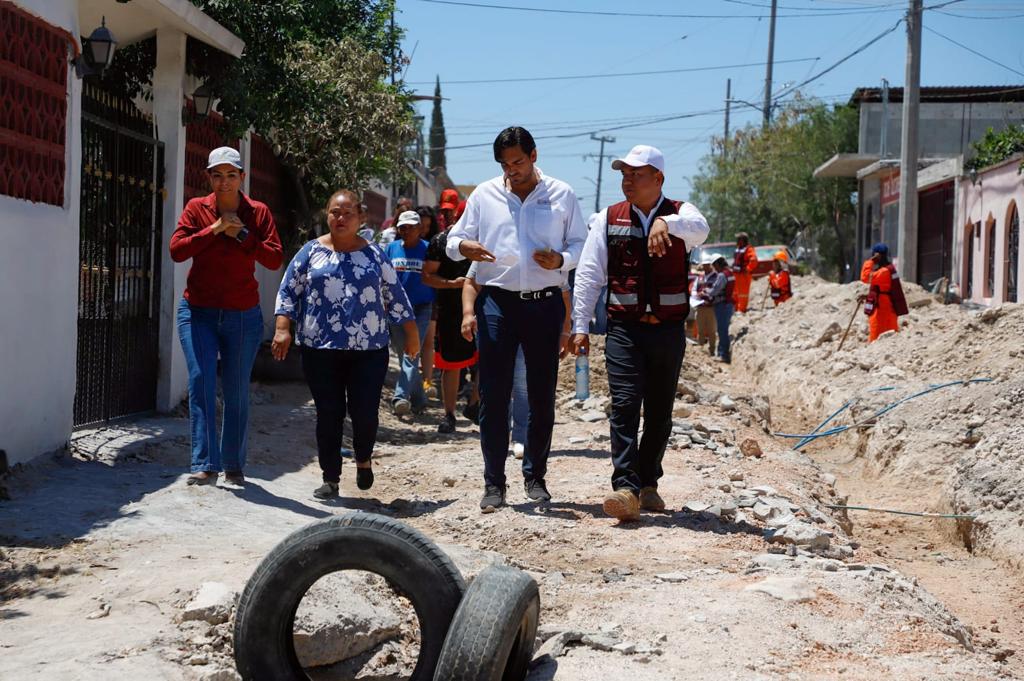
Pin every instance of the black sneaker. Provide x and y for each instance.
(536, 490)
(494, 498)
(447, 424)
(328, 490)
(472, 412)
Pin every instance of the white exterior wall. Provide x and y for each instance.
(997, 189)
(39, 295)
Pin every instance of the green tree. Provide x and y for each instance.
(765, 184)
(438, 140)
(995, 147)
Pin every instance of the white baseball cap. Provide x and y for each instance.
(222, 155)
(639, 156)
(409, 217)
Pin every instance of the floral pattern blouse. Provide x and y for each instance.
(342, 301)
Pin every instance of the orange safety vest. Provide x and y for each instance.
(637, 282)
(895, 293)
(781, 287)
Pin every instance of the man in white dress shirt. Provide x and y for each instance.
(640, 249)
(527, 232)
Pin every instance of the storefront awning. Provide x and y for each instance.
(844, 165)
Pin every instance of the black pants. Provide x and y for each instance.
(504, 323)
(643, 362)
(340, 379)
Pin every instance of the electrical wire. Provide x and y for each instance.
(644, 15)
(533, 79)
(973, 51)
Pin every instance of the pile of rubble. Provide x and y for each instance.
(957, 448)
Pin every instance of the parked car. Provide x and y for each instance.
(765, 254)
(710, 252)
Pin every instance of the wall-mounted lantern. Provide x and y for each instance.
(203, 100)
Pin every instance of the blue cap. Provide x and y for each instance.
(880, 248)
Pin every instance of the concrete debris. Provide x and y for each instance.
(340, 618)
(593, 416)
(833, 330)
(788, 589)
(212, 603)
(726, 403)
(750, 447)
(801, 534)
(673, 577)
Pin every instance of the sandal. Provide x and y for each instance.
(202, 478)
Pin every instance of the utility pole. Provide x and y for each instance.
(728, 103)
(600, 167)
(768, 70)
(884, 151)
(907, 238)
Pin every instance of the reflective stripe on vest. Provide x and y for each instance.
(623, 298)
(673, 298)
(624, 230)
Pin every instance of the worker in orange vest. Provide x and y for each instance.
(778, 279)
(744, 262)
(884, 301)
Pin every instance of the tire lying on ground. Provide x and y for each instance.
(493, 633)
(412, 565)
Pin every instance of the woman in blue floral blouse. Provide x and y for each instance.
(342, 293)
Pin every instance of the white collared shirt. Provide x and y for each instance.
(512, 230)
(592, 273)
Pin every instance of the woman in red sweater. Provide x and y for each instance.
(225, 234)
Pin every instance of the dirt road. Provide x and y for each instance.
(102, 550)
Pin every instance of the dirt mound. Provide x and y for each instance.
(955, 448)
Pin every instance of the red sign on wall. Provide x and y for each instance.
(891, 188)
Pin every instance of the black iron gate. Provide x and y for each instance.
(119, 254)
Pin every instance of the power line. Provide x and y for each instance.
(550, 10)
(973, 51)
(611, 75)
(792, 88)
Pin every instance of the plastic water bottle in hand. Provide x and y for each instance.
(582, 377)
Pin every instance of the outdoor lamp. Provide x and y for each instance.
(203, 101)
(99, 48)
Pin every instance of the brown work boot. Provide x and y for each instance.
(622, 504)
(650, 500)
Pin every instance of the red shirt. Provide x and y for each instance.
(223, 269)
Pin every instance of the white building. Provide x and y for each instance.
(90, 193)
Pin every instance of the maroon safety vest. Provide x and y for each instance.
(729, 295)
(636, 280)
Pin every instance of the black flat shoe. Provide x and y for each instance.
(364, 478)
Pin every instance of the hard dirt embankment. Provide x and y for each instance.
(112, 568)
(958, 449)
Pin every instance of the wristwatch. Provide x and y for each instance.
(242, 235)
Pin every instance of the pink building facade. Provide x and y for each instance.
(988, 237)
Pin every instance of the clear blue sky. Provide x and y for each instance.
(461, 42)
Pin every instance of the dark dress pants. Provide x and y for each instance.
(643, 362)
(504, 323)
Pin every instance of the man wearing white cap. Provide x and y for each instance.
(407, 254)
(639, 248)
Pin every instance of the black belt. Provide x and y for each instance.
(531, 295)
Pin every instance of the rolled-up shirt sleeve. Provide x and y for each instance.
(689, 224)
(468, 227)
(575, 236)
(591, 273)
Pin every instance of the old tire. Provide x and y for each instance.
(493, 633)
(411, 563)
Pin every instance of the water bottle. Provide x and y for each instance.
(582, 377)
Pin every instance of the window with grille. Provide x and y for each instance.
(990, 256)
(1012, 253)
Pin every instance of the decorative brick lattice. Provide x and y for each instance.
(269, 183)
(33, 107)
(201, 137)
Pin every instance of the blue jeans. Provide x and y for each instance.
(723, 315)
(520, 401)
(410, 383)
(235, 336)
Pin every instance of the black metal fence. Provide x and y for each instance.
(120, 253)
